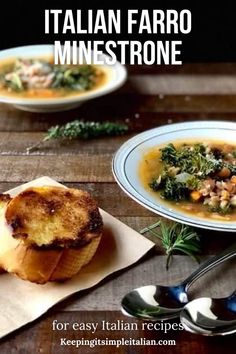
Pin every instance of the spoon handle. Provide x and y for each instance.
(209, 264)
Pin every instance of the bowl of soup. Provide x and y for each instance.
(30, 80)
(185, 172)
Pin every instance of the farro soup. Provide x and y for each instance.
(195, 177)
(40, 78)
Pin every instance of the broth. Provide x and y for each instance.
(100, 78)
(151, 166)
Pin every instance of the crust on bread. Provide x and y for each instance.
(35, 265)
(43, 265)
(4, 199)
(54, 217)
(49, 262)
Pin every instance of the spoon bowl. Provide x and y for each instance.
(210, 317)
(156, 302)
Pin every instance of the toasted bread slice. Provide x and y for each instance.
(54, 217)
(39, 253)
(23, 260)
(4, 200)
(35, 265)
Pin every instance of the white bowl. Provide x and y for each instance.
(128, 157)
(117, 76)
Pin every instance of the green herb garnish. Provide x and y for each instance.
(184, 169)
(80, 78)
(174, 190)
(175, 237)
(14, 83)
(79, 129)
(191, 159)
(221, 210)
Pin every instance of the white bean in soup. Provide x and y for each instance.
(195, 177)
(40, 78)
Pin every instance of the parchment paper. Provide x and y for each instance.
(22, 302)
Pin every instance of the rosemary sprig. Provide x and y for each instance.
(175, 237)
(82, 130)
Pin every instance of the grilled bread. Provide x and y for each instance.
(52, 233)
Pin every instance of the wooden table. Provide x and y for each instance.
(153, 96)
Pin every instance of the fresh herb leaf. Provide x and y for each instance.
(79, 129)
(175, 237)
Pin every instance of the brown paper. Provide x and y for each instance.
(22, 302)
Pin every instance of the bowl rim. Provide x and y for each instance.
(118, 169)
(119, 70)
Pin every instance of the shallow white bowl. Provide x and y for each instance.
(127, 159)
(117, 76)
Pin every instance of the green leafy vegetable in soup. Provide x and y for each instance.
(196, 160)
(38, 74)
(78, 78)
(203, 174)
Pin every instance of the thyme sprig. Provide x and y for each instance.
(175, 237)
(79, 129)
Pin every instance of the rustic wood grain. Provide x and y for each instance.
(83, 168)
(186, 84)
(15, 143)
(39, 337)
(153, 96)
(140, 111)
(138, 121)
(126, 104)
(151, 270)
(186, 68)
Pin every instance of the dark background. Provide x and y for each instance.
(212, 38)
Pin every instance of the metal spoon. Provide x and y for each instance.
(210, 317)
(155, 302)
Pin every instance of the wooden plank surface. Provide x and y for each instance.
(153, 96)
(13, 143)
(124, 104)
(151, 270)
(25, 168)
(140, 111)
(186, 68)
(39, 337)
(168, 84)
